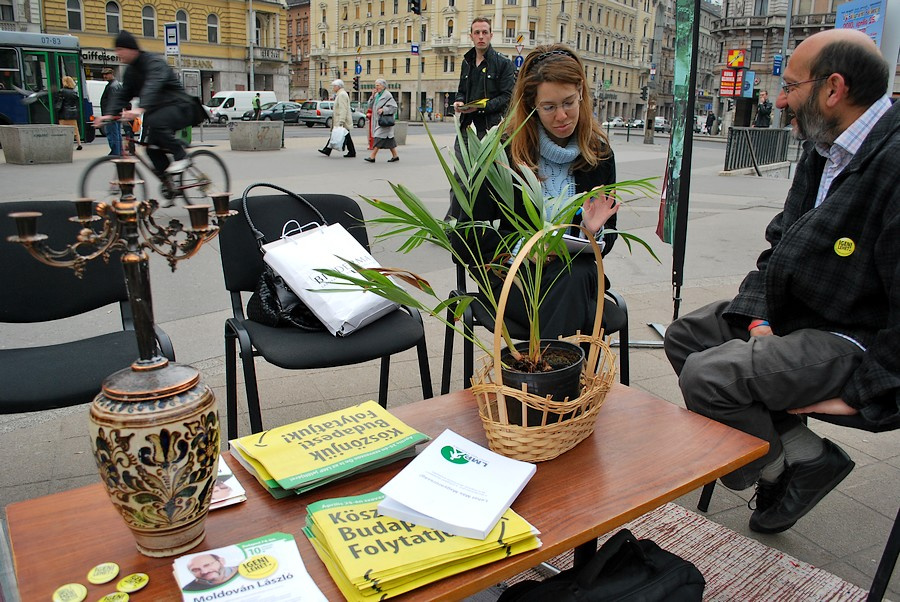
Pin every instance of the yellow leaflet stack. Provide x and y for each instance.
(372, 557)
(307, 454)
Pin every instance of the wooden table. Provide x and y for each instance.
(643, 453)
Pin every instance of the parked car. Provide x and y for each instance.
(615, 122)
(289, 112)
(636, 123)
(322, 111)
(661, 125)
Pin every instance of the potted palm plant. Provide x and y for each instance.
(537, 237)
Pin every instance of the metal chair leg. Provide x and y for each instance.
(887, 563)
(383, 381)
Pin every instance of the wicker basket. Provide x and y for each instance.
(562, 424)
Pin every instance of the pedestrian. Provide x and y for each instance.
(384, 110)
(710, 121)
(165, 106)
(342, 117)
(257, 107)
(816, 327)
(763, 111)
(67, 107)
(112, 130)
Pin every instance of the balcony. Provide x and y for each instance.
(318, 52)
(277, 55)
(444, 44)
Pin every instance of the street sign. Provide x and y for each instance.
(171, 34)
(747, 84)
(414, 49)
(737, 58)
(519, 39)
(358, 69)
(358, 50)
(520, 48)
(519, 61)
(777, 61)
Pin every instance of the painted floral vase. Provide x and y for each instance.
(155, 435)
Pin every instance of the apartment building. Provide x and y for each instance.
(215, 46)
(298, 49)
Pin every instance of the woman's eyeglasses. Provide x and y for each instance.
(567, 105)
(788, 87)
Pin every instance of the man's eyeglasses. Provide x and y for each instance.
(788, 87)
(567, 105)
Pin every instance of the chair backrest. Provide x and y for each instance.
(34, 292)
(242, 261)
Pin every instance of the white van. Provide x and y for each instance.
(231, 104)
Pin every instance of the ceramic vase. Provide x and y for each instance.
(155, 435)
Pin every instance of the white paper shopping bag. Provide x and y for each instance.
(298, 257)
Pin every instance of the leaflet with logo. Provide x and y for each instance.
(456, 486)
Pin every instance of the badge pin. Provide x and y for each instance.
(844, 247)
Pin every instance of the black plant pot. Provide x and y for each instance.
(561, 382)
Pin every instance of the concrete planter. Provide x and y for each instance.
(256, 135)
(34, 144)
(400, 128)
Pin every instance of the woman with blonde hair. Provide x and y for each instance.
(67, 107)
(384, 107)
(558, 139)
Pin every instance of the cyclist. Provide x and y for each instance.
(165, 105)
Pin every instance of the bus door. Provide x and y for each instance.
(37, 78)
(11, 108)
(69, 63)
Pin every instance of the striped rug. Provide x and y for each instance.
(736, 568)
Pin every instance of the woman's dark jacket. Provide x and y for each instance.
(67, 104)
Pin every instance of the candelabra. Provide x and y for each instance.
(154, 426)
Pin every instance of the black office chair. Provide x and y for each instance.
(66, 374)
(479, 313)
(292, 348)
(892, 548)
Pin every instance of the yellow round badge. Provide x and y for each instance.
(70, 592)
(132, 582)
(258, 567)
(103, 573)
(844, 246)
(114, 597)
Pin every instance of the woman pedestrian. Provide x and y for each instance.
(384, 110)
(556, 137)
(67, 107)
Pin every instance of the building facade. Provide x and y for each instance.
(214, 45)
(298, 49)
(613, 37)
(20, 15)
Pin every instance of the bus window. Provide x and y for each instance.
(36, 80)
(9, 70)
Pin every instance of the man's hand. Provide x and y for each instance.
(130, 115)
(835, 407)
(761, 331)
(458, 106)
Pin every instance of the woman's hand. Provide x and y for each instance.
(380, 111)
(597, 209)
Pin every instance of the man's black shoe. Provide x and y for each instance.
(768, 494)
(325, 152)
(807, 484)
(349, 156)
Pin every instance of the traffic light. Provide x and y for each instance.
(415, 6)
(645, 91)
(356, 84)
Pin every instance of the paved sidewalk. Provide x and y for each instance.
(50, 451)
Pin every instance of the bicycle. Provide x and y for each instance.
(206, 175)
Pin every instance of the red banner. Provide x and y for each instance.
(731, 83)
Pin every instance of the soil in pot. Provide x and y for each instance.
(560, 378)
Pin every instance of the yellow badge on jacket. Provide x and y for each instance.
(844, 247)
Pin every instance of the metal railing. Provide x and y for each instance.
(753, 147)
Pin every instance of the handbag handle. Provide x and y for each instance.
(622, 540)
(260, 237)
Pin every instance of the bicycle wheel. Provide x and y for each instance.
(206, 175)
(98, 182)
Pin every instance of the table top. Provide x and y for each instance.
(643, 453)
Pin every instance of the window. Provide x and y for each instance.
(580, 9)
(450, 28)
(395, 35)
(422, 64)
(113, 17)
(73, 13)
(6, 11)
(382, 8)
(181, 19)
(488, 1)
(424, 32)
(212, 29)
(357, 11)
(534, 3)
(756, 48)
(290, 28)
(532, 31)
(344, 14)
(148, 20)
(562, 33)
(590, 12)
(578, 40)
(381, 66)
(368, 67)
(356, 38)
(408, 61)
(562, 6)
(587, 42)
(760, 8)
(324, 16)
(368, 37)
(396, 6)
(449, 64)
(381, 36)
(409, 33)
(394, 66)
(510, 29)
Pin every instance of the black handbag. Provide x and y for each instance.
(385, 121)
(273, 303)
(623, 569)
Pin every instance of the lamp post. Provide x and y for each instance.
(154, 426)
(252, 40)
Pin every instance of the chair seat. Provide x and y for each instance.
(292, 348)
(58, 376)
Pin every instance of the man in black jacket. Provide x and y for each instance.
(816, 327)
(113, 131)
(763, 111)
(485, 74)
(165, 105)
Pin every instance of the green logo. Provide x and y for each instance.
(451, 454)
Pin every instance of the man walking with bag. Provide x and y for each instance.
(342, 118)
